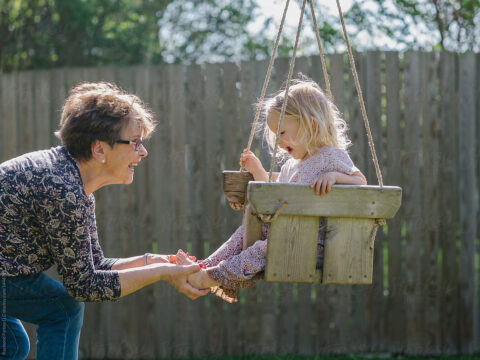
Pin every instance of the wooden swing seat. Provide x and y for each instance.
(351, 213)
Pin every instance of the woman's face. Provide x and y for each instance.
(121, 159)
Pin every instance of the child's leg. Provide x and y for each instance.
(238, 270)
(231, 247)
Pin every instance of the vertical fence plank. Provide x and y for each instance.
(340, 296)
(304, 331)
(163, 294)
(232, 148)
(286, 323)
(213, 205)
(26, 117)
(91, 343)
(11, 136)
(252, 296)
(317, 72)
(412, 204)
(125, 310)
(58, 94)
(468, 212)
(42, 109)
(179, 196)
(430, 214)
(360, 157)
(449, 204)
(144, 189)
(268, 313)
(375, 299)
(395, 300)
(321, 305)
(110, 323)
(8, 112)
(196, 132)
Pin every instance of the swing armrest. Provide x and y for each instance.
(354, 201)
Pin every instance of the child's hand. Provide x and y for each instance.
(252, 164)
(324, 183)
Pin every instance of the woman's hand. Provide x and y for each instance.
(178, 278)
(156, 258)
(252, 164)
(201, 280)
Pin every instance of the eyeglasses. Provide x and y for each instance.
(137, 143)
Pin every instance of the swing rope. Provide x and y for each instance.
(360, 98)
(322, 57)
(267, 79)
(327, 84)
(284, 105)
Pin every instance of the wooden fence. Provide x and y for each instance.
(425, 117)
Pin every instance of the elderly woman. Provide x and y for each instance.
(47, 217)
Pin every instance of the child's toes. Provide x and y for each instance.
(181, 257)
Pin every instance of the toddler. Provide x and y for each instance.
(313, 138)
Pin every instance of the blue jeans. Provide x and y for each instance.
(40, 300)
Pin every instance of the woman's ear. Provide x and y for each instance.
(98, 151)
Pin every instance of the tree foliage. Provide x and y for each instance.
(452, 25)
(53, 33)
(47, 33)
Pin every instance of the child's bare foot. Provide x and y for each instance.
(236, 205)
(183, 258)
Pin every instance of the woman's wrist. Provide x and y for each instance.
(145, 259)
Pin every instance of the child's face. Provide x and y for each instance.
(288, 135)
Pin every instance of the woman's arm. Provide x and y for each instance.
(136, 278)
(139, 261)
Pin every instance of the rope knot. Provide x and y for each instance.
(373, 234)
(272, 218)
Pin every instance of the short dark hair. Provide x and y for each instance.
(99, 111)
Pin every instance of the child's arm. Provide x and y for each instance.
(253, 165)
(324, 182)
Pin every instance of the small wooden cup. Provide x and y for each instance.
(234, 184)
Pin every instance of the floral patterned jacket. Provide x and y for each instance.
(46, 218)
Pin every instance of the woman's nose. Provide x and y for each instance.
(142, 151)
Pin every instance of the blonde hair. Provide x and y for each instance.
(320, 122)
(99, 111)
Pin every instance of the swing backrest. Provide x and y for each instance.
(350, 212)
